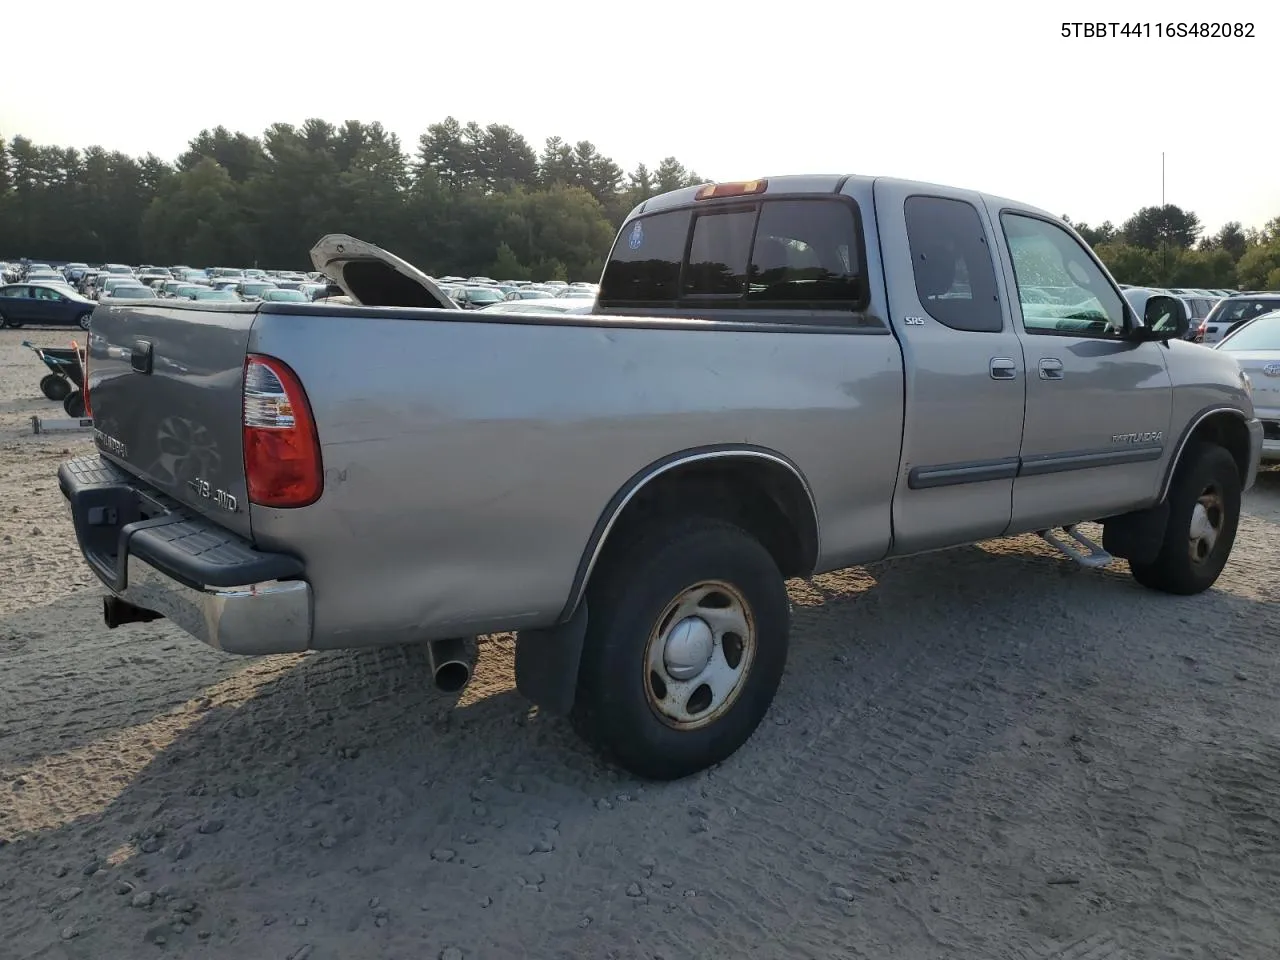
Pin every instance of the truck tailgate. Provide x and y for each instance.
(166, 399)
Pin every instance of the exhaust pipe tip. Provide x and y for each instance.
(450, 664)
(453, 676)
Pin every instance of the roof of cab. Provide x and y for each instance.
(829, 183)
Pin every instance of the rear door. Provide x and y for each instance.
(1098, 405)
(166, 394)
(964, 368)
(19, 305)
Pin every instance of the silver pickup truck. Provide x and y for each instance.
(781, 377)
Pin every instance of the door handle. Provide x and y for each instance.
(1051, 369)
(1002, 368)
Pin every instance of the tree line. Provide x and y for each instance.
(1167, 247)
(468, 200)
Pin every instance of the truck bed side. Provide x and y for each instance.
(466, 462)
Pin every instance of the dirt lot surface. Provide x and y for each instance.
(986, 754)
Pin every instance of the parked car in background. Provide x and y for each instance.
(204, 294)
(183, 291)
(549, 305)
(127, 291)
(40, 303)
(252, 290)
(110, 281)
(473, 297)
(284, 296)
(1255, 345)
(1233, 310)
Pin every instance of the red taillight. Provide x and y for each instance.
(744, 188)
(281, 447)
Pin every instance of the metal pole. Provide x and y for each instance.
(1164, 246)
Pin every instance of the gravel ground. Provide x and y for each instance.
(987, 753)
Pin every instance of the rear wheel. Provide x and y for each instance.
(1204, 511)
(84, 320)
(687, 632)
(73, 403)
(54, 387)
(11, 324)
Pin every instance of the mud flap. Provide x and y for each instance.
(547, 663)
(1138, 536)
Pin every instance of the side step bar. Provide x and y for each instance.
(1095, 557)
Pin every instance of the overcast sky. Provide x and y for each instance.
(992, 99)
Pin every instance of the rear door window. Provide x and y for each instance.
(954, 274)
(644, 266)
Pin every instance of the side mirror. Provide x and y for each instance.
(1164, 318)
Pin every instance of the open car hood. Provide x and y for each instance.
(372, 277)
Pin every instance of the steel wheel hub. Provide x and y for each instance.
(688, 648)
(699, 655)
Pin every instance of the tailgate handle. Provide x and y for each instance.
(140, 356)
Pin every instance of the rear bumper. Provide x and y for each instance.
(153, 553)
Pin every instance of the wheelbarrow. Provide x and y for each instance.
(65, 379)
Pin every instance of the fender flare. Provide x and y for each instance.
(639, 480)
(1202, 415)
(547, 659)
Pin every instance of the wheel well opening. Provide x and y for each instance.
(764, 498)
(1229, 432)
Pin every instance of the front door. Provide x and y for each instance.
(964, 367)
(1098, 405)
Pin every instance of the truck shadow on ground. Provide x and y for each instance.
(297, 785)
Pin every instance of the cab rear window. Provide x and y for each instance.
(644, 266)
(779, 253)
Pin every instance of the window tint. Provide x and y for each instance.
(718, 253)
(806, 254)
(644, 265)
(1060, 287)
(805, 251)
(955, 278)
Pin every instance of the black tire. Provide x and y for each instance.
(11, 324)
(636, 584)
(1210, 472)
(73, 403)
(83, 320)
(55, 387)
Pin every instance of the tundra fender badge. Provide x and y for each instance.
(1151, 436)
